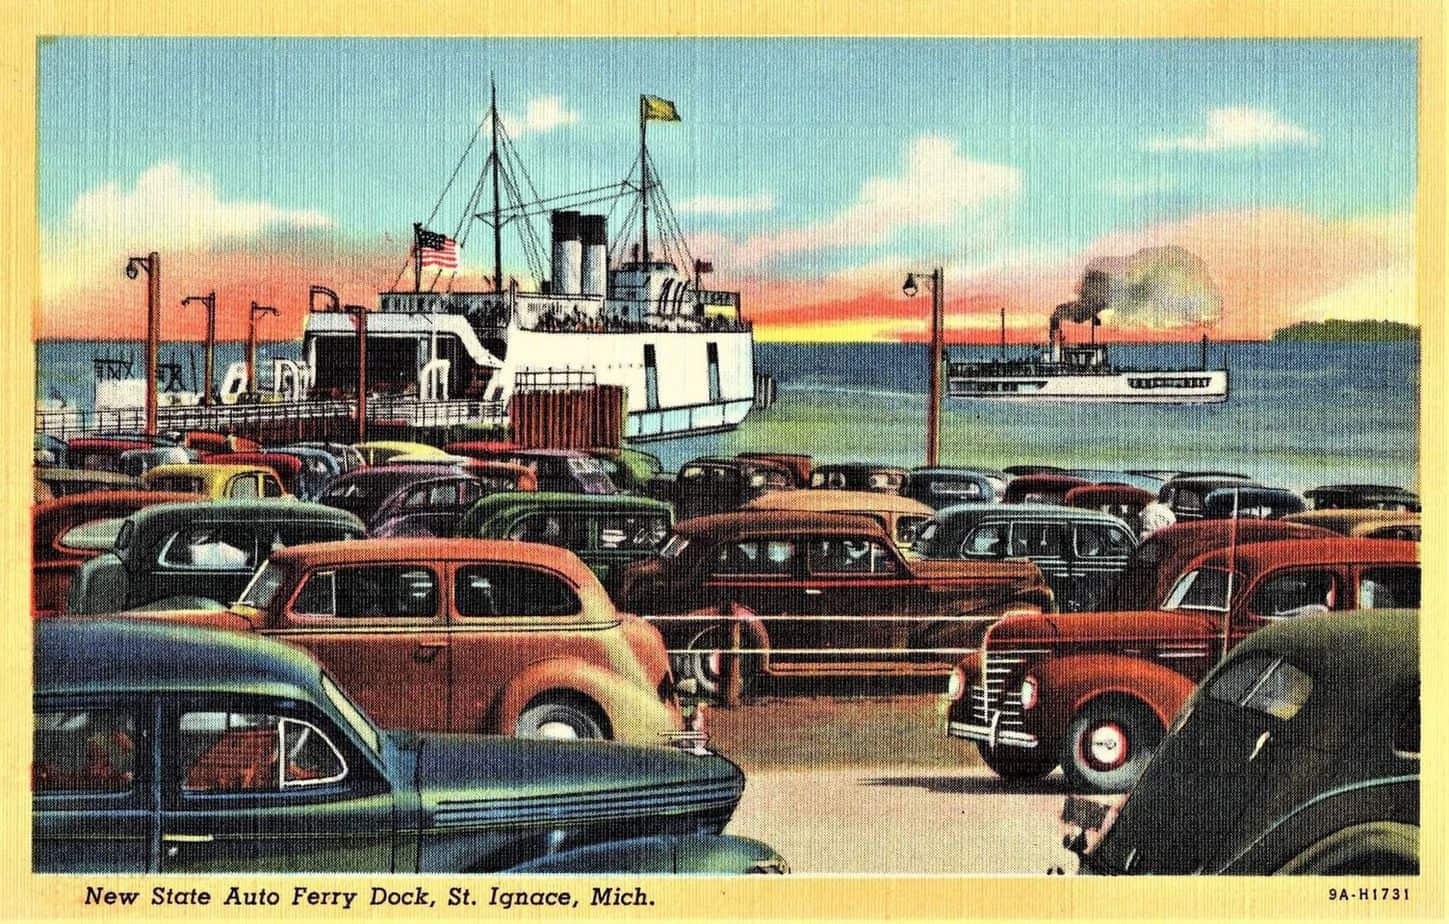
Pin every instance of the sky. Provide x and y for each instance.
(813, 173)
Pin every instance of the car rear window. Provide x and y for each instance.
(212, 547)
(633, 532)
(93, 535)
(1263, 684)
(512, 590)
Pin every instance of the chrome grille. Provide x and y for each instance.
(997, 668)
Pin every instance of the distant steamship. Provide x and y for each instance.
(1083, 372)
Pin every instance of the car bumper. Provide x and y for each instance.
(991, 734)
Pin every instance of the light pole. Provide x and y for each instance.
(933, 409)
(151, 264)
(252, 315)
(210, 302)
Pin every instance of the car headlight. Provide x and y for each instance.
(957, 684)
(1028, 692)
(772, 867)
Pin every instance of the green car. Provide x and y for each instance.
(607, 531)
(176, 749)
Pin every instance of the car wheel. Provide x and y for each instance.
(704, 660)
(558, 720)
(1018, 763)
(1108, 744)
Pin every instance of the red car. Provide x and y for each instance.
(465, 635)
(1096, 692)
(67, 532)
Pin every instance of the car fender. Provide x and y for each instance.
(100, 585)
(679, 631)
(632, 713)
(699, 854)
(1066, 685)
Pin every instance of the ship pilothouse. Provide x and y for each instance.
(600, 315)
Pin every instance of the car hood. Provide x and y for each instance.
(485, 781)
(1064, 627)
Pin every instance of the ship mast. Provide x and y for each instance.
(497, 208)
(643, 181)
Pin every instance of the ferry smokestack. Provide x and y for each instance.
(1056, 337)
(567, 253)
(595, 264)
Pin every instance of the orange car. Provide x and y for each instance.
(466, 635)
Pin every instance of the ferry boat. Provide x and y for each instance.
(644, 320)
(1084, 372)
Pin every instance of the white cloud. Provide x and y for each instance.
(707, 204)
(540, 115)
(168, 208)
(937, 189)
(1133, 188)
(1238, 127)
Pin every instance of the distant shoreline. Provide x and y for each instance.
(1347, 332)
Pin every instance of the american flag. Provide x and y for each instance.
(437, 249)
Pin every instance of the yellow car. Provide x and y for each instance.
(378, 452)
(215, 481)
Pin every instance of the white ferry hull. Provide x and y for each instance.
(1190, 386)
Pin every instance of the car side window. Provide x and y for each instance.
(213, 547)
(1389, 588)
(988, 541)
(83, 750)
(242, 486)
(397, 591)
(756, 556)
(470, 491)
(1299, 592)
(180, 483)
(849, 556)
(560, 529)
(1095, 540)
(512, 590)
(906, 528)
(1406, 721)
(225, 752)
(271, 487)
(1263, 684)
(1038, 540)
(632, 532)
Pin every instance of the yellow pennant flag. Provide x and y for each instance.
(660, 110)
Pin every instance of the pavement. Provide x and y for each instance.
(902, 820)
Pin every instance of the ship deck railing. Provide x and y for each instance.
(302, 419)
(1018, 370)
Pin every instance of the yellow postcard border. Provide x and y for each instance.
(25, 896)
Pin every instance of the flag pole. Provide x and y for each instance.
(497, 216)
(417, 257)
(643, 182)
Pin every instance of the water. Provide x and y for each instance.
(1300, 414)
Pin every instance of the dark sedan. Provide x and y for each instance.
(176, 749)
(405, 499)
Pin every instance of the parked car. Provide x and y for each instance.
(631, 470)
(1081, 553)
(202, 553)
(606, 531)
(901, 516)
(49, 450)
(494, 475)
(216, 481)
(1095, 692)
(1299, 754)
(798, 463)
(860, 476)
(405, 500)
(1160, 559)
(1251, 502)
(40, 491)
(466, 635)
(1365, 524)
(556, 470)
(1119, 500)
(346, 456)
(1185, 494)
(138, 462)
(378, 452)
(1029, 468)
(101, 454)
(817, 593)
(1042, 488)
(287, 467)
(64, 481)
(68, 531)
(1144, 481)
(1362, 496)
(159, 749)
(207, 441)
(942, 487)
(318, 468)
(720, 484)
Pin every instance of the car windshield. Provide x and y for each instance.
(263, 587)
(360, 496)
(354, 717)
(95, 535)
(1202, 589)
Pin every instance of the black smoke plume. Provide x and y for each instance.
(1154, 287)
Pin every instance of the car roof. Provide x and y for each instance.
(369, 551)
(173, 515)
(838, 502)
(955, 471)
(209, 473)
(82, 655)
(98, 476)
(1046, 480)
(562, 500)
(99, 505)
(401, 445)
(1387, 488)
(1367, 651)
(1260, 556)
(861, 467)
(1339, 518)
(980, 510)
(753, 522)
(403, 474)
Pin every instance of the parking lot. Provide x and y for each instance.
(866, 784)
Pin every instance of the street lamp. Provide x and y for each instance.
(209, 301)
(151, 263)
(933, 408)
(252, 315)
